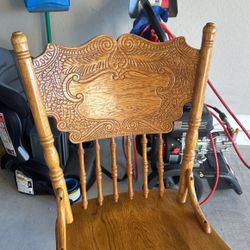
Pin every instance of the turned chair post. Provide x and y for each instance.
(19, 42)
(114, 169)
(196, 110)
(82, 176)
(145, 165)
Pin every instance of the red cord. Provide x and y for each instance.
(153, 36)
(231, 139)
(144, 30)
(228, 109)
(210, 195)
(217, 172)
(172, 36)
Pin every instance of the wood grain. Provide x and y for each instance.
(98, 173)
(145, 165)
(160, 165)
(129, 169)
(82, 176)
(31, 86)
(195, 203)
(108, 87)
(114, 169)
(153, 223)
(197, 107)
(61, 221)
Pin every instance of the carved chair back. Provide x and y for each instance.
(107, 88)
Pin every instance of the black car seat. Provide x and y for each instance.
(13, 104)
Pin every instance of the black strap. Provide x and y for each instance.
(154, 21)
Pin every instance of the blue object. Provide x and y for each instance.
(73, 189)
(142, 20)
(47, 5)
(72, 184)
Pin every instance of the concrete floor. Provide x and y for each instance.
(27, 222)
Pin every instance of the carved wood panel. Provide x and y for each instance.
(109, 87)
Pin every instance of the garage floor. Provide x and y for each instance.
(27, 222)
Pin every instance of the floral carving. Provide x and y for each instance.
(144, 85)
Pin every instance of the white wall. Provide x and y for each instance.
(230, 70)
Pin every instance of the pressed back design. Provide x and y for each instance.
(110, 87)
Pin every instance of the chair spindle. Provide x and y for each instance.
(129, 169)
(160, 165)
(98, 173)
(114, 169)
(82, 176)
(145, 165)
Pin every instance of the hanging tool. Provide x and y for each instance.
(47, 6)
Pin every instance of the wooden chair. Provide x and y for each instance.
(108, 88)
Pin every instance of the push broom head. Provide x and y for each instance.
(47, 5)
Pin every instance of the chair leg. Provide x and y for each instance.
(57, 236)
(61, 221)
(194, 202)
(182, 192)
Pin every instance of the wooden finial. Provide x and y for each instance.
(20, 45)
(18, 38)
(208, 35)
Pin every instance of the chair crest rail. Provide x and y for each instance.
(110, 87)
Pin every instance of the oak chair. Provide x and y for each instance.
(108, 88)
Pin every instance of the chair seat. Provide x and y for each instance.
(153, 223)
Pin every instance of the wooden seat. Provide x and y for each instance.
(108, 88)
(152, 223)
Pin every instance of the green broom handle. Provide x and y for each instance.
(48, 27)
